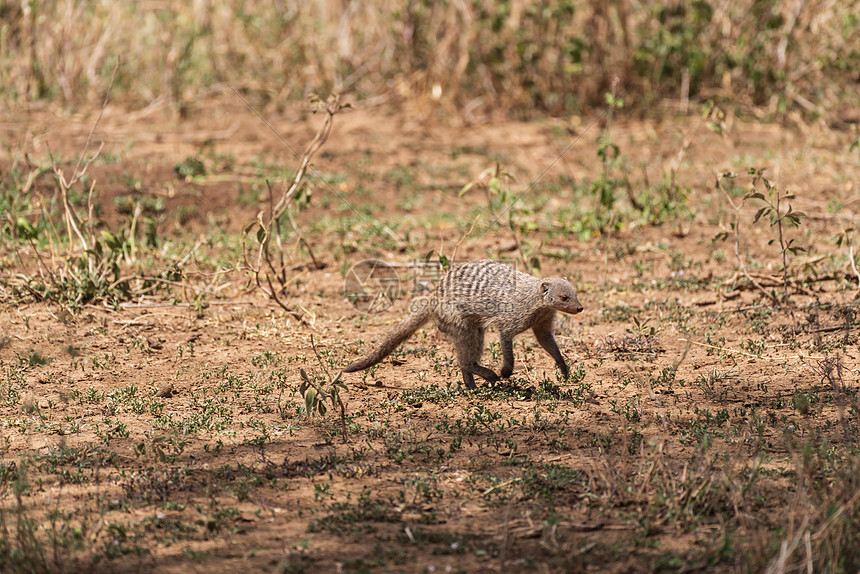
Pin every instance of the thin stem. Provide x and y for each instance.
(782, 248)
(737, 242)
(849, 238)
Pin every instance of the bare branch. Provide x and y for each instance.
(270, 261)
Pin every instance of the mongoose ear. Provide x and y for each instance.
(544, 287)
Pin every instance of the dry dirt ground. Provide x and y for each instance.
(705, 423)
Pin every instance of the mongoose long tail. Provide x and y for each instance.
(393, 340)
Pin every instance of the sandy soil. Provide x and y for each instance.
(698, 430)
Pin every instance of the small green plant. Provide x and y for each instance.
(315, 390)
(199, 304)
(190, 167)
(710, 383)
(606, 188)
(778, 210)
(642, 328)
(315, 394)
(35, 359)
(666, 200)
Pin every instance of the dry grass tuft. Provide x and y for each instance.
(475, 58)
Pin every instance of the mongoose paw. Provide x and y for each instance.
(506, 373)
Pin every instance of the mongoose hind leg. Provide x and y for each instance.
(543, 334)
(469, 372)
(469, 345)
(488, 375)
(507, 344)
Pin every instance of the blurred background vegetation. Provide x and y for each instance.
(475, 57)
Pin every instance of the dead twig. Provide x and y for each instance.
(491, 180)
(268, 264)
(463, 238)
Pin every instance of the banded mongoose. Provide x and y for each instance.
(480, 294)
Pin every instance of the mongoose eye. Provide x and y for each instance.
(564, 298)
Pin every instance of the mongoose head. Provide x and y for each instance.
(559, 294)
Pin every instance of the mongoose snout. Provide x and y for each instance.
(480, 294)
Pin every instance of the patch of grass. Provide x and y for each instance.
(34, 359)
(358, 519)
(30, 542)
(547, 481)
(190, 167)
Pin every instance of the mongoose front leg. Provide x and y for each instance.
(543, 334)
(507, 344)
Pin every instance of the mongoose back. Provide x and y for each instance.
(479, 294)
